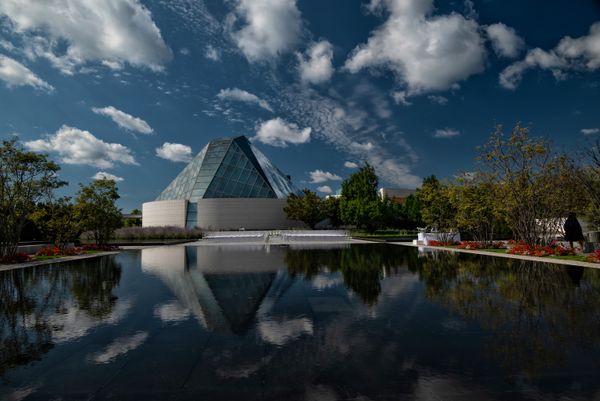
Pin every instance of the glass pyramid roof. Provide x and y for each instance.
(229, 168)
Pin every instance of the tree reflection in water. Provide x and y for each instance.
(29, 297)
(362, 267)
(539, 314)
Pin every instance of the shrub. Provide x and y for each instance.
(520, 248)
(18, 257)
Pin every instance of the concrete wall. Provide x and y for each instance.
(164, 213)
(247, 213)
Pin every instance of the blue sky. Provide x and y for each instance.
(133, 88)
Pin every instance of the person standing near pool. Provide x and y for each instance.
(573, 231)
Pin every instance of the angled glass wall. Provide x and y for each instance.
(229, 168)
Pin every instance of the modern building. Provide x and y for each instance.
(397, 195)
(229, 185)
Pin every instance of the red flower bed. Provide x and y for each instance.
(470, 245)
(521, 248)
(18, 257)
(56, 251)
(594, 257)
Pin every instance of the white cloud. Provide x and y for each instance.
(172, 312)
(362, 147)
(185, 51)
(270, 27)
(75, 146)
(438, 99)
(283, 332)
(124, 120)
(426, 52)
(319, 176)
(350, 165)
(505, 41)
(103, 175)
(590, 131)
(174, 152)
(212, 53)
(277, 132)
(14, 74)
(240, 95)
(316, 67)
(326, 189)
(445, 133)
(581, 53)
(401, 97)
(119, 346)
(71, 32)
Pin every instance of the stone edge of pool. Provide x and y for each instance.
(53, 261)
(505, 255)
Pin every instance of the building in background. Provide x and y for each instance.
(397, 195)
(229, 185)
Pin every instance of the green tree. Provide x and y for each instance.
(475, 197)
(412, 210)
(26, 178)
(360, 205)
(536, 188)
(332, 211)
(58, 221)
(308, 208)
(437, 209)
(96, 210)
(361, 185)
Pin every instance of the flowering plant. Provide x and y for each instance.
(56, 251)
(594, 257)
(470, 245)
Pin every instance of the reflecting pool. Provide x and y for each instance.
(346, 322)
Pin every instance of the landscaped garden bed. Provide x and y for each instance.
(54, 252)
(553, 250)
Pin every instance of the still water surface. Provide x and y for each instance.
(360, 322)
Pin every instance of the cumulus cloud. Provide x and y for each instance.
(505, 41)
(72, 32)
(240, 95)
(277, 132)
(581, 53)
(401, 97)
(326, 189)
(15, 74)
(76, 146)
(174, 152)
(319, 176)
(438, 99)
(426, 52)
(350, 165)
(316, 66)
(269, 27)
(103, 175)
(124, 120)
(590, 131)
(445, 133)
